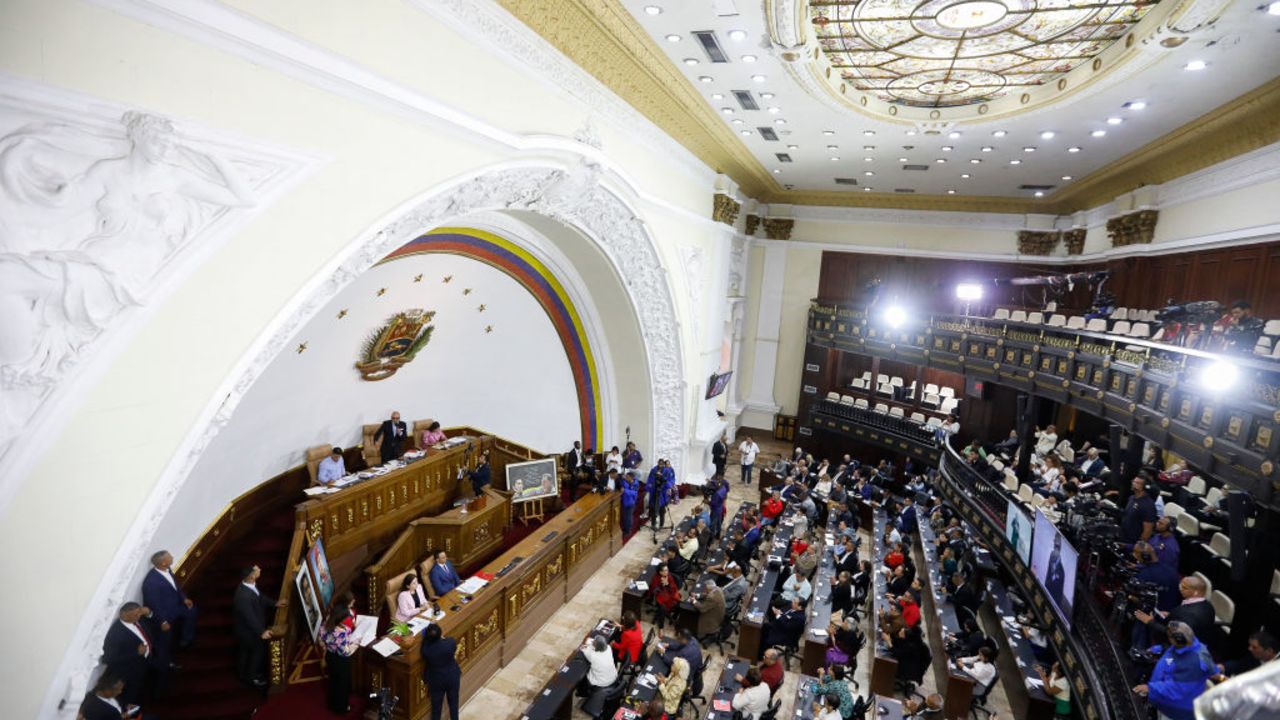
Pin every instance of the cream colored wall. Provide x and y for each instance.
(801, 285)
(1248, 207)
(80, 500)
(750, 321)
(905, 236)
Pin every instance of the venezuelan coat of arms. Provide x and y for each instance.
(395, 344)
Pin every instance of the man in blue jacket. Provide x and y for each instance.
(662, 485)
(719, 491)
(1180, 675)
(630, 490)
(170, 606)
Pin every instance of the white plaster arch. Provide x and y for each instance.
(569, 192)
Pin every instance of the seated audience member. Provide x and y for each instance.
(895, 557)
(688, 545)
(907, 646)
(752, 699)
(1009, 444)
(1092, 466)
(846, 641)
(805, 561)
(411, 600)
(676, 562)
(981, 667)
(666, 594)
(711, 607)
(831, 683)
(613, 461)
(847, 556)
(603, 672)
(797, 587)
(443, 576)
(899, 581)
(672, 685)
(1263, 648)
(910, 609)
(963, 594)
(783, 627)
(1180, 675)
(736, 587)
(891, 619)
(332, 468)
(432, 436)
(686, 646)
(826, 707)
(842, 594)
(1046, 440)
(630, 642)
(771, 508)
(103, 702)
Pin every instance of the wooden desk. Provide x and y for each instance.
(956, 686)
(806, 694)
(815, 641)
(1017, 660)
(751, 629)
(466, 537)
(884, 667)
(726, 687)
(632, 596)
(542, 572)
(555, 700)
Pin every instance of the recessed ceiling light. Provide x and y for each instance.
(940, 160)
(1039, 193)
(767, 96)
(793, 147)
(911, 132)
(652, 10)
(951, 192)
(902, 159)
(1073, 149)
(987, 148)
(1028, 149)
(738, 35)
(1273, 8)
(1015, 162)
(1136, 105)
(833, 147)
(947, 148)
(758, 78)
(828, 132)
(868, 173)
(965, 176)
(835, 158)
(1114, 120)
(866, 189)
(748, 58)
(780, 121)
(1098, 133)
(746, 132)
(1066, 177)
(717, 96)
(673, 38)
(691, 61)
(1047, 135)
(736, 121)
(974, 161)
(777, 171)
(704, 78)
(775, 110)
(869, 133)
(999, 133)
(867, 159)
(1195, 65)
(727, 110)
(953, 134)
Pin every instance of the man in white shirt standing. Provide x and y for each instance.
(749, 450)
(332, 468)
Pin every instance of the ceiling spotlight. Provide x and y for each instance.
(1066, 177)
(704, 78)
(951, 192)
(766, 96)
(867, 159)
(1098, 133)
(1219, 376)
(1273, 8)
(746, 132)
(965, 176)
(775, 110)
(974, 161)
(777, 171)
(953, 134)
(1195, 65)
(833, 147)
(758, 78)
(902, 159)
(1015, 162)
(911, 132)
(691, 61)
(940, 160)
(895, 315)
(793, 147)
(866, 189)
(1135, 105)
(987, 148)
(1073, 149)
(1047, 135)
(835, 159)
(780, 121)
(947, 148)
(727, 110)
(673, 38)
(652, 10)
(828, 132)
(738, 35)
(748, 58)
(1114, 120)
(868, 173)
(737, 121)
(1029, 149)
(999, 133)
(1039, 193)
(869, 133)
(968, 291)
(717, 96)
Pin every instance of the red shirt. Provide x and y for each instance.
(894, 559)
(771, 508)
(910, 614)
(666, 594)
(628, 646)
(772, 676)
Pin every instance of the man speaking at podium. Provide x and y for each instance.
(392, 433)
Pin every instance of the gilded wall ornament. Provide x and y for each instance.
(395, 344)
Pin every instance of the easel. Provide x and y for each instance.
(531, 510)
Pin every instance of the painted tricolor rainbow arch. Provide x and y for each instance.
(543, 285)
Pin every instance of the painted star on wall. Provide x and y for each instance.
(488, 329)
(466, 291)
(447, 279)
(382, 291)
(417, 278)
(342, 313)
(481, 308)
(302, 348)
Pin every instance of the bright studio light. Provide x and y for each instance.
(1219, 376)
(969, 291)
(895, 315)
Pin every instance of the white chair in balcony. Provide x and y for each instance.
(1208, 584)
(930, 388)
(933, 423)
(1263, 347)
(895, 412)
(931, 400)
(882, 408)
(1224, 608)
(1010, 481)
(1173, 509)
(1122, 327)
(1189, 526)
(896, 381)
(1140, 330)
(1275, 351)
(1197, 486)
(858, 384)
(1120, 314)
(917, 418)
(947, 391)
(997, 466)
(1051, 307)
(861, 404)
(1220, 548)
(1026, 493)
(1001, 314)
(911, 390)
(1076, 322)
(833, 396)
(1018, 316)
(1212, 497)
(949, 405)
(1056, 320)
(1272, 328)
(846, 400)
(866, 376)
(884, 389)
(1035, 318)
(1096, 325)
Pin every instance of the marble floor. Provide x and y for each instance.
(513, 687)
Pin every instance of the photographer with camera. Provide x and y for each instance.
(1161, 575)
(1194, 610)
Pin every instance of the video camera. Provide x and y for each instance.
(1201, 311)
(1142, 595)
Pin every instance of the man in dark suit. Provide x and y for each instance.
(1056, 577)
(392, 433)
(129, 651)
(481, 475)
(720, 454)
(441, 672)
(785, 627)
(171, 608)
(103, 702)
(574, 459)
(249, 623)
(1194, 610)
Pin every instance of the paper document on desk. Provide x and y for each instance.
(472, 585)
(418, 624)
(1034, 683)
(386, 647)
(366, 629)
(642, 586)
(320, 490)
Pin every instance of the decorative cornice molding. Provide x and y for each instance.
(1037, 242)
(778, 228)
(725, 209)
(1074, 240)
(1133, 229)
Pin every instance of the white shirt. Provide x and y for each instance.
(983, 672)
(254, 588)
(133, 628)
(830, 715)
(330, 470)
(748, 450)
(753, 702)
(167, 575)
(1046, 442)
(613, 461)
(951, 428)
(603, 673)
(112, 702)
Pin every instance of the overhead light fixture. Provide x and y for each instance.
(947, 148)
(726, 110)
(987, 148)
(866, 189)
(999, 133)
(974, 161)
(1047, 135)
(1029, 148)
(717, 96)
(758, 78)
(1114, 120)
(835, 159)
(833, 147)
(780, 121)
(1219, 376)
(902, 159)
(868, 173)
(895, 315)
(869, 133)
(691, 61)
(673, 38)
(737, 121)
(1135, 105)
(1066, 177)
(953, 134)
(1073, 149)
(775, 110)
(940, 161)
(828, 132)
(704, 78)
(748, 58)
(1039, 193)
(777, 171)
(1098, 133)
(745, 132)
(951, 192)
(969, 291)
(1195, 65)
(652, 10)
(1273, 8)
(911, 132)
(766, 95)
(793, 147)
(1015, 162)
(738, 35)
(965, 176)
(867, 159)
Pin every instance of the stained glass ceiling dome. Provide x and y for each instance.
(955, 53)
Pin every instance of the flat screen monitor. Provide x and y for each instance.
(1017, 530)
(1053, 562)
(717, 383)
(532, 480)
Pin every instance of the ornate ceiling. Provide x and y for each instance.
(944, 53)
